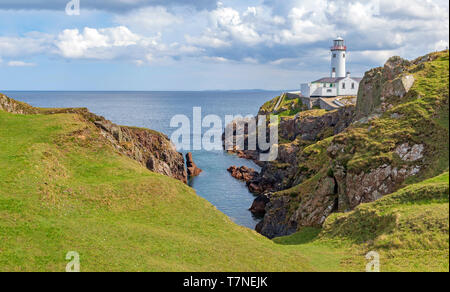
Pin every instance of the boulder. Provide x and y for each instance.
(259, 205)
(407, 153)
(382, 84)
(242, 173)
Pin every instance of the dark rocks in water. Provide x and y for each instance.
(242, 173)
(256, 183)
(259, 205)
(192, 168)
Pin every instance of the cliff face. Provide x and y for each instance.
(397, 134)
(150, 148)
(335, 161)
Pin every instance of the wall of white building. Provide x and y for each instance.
(347, 86)
(319, 89)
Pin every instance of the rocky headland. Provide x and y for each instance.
(152, 149)
(333, 161)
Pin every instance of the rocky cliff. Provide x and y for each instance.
(334, 161)
(150, 148)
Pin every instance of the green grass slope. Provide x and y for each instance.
(409, 229)
(62, 188)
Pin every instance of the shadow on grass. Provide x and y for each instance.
(306, 235)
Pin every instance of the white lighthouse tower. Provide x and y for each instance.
(338, 57)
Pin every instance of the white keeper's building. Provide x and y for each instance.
(339, 84)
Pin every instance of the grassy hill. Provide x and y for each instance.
(62, 188)
(409, 229)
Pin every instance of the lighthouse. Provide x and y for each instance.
(338, 57)
(336, 90)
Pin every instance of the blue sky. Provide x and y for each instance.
(205, 45)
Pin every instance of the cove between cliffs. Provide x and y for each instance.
(153, 110)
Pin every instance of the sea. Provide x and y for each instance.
(154, 110)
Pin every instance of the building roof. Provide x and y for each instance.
(335, 80)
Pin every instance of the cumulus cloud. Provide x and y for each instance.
(148, 19)
(119, 43)
(91, 43)
(285, 34)
(282, 33)
(29, 44)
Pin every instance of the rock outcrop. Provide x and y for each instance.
(314, 206)
(381, 84)
(150, 148)
(276, 221)
(258, 207)
(302, 130)
(242, 173)
(192, 169)
(316, 127)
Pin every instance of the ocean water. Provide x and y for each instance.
(154, 110)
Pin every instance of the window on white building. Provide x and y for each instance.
(343, 85)
(334, 55)
(353, 85)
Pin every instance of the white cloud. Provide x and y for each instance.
(373, 29)
(230, 23)
(216, 59)
(149, 19)
(20, 64)
(278, 33)
(95, 43)
(30, 44)
(375, 56)
(208, 40)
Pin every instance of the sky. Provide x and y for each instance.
(206, 44)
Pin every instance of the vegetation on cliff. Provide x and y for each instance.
(409, 229)
(64, 187)
(398, 136)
